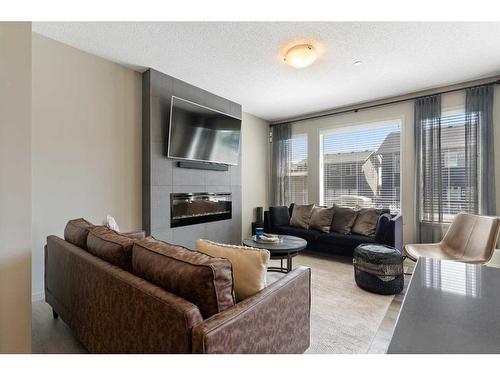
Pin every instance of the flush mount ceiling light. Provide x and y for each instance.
(300, 56)
(357, 63)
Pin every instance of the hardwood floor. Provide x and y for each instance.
(51, 336)
(331, 277)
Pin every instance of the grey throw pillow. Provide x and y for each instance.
(321, 219)
(343, 219)
(366, 222)
(301, 215)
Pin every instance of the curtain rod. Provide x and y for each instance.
(332, 113)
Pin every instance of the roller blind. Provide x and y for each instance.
(360, 166)
(298, 169)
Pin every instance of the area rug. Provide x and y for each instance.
(344, 318)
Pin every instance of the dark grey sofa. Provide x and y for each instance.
(388, 232)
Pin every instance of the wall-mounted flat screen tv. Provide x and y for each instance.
(203, 134)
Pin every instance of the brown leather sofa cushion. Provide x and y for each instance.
(321, 219)
(343, 219)
(111, 246)
(76, 232)
(366, 221)
(199, 278)
(301, 215)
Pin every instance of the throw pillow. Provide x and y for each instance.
(366, 222)
(201, 279)
(301, 215)
(249, 265)
(343, 219)
(76, 232)
(111, 246)
(321, 219)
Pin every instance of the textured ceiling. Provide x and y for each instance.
(242, 61)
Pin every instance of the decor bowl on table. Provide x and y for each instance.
(268, 238)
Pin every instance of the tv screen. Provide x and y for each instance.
(202, 134)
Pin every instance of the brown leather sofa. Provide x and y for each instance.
(111, 310)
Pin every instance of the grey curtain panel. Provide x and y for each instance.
(479, 150)
(429, 180)
(280, 164)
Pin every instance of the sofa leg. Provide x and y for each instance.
(55, 315)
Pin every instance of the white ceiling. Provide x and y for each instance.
(241, 61)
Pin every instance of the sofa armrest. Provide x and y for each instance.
(398, 232)
(275, 320)
(390, 231)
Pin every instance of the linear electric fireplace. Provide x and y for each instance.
(196, 208)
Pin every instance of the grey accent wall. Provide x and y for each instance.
(161, 176)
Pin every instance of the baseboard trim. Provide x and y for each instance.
(35, 297)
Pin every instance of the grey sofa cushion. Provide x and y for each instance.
(321, 218)
(301, 215)
(366, 221)
(310, 235)
(344, 240)
(343, 219)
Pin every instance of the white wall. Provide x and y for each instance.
(15, 187)
(254, 169)
(86, 143)
(405, 113)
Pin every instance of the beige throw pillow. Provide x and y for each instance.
(321, 219)
(249, 265)
(301, 215)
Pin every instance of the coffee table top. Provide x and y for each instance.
(289, 244)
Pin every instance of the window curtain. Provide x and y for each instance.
(479, 150)
(281, 164)
(429, 180)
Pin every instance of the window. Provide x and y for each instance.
(452, 198)
(368, 156)
(298, 170)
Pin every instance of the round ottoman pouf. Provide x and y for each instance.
(378, 268)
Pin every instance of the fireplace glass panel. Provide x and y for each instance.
(195, 208)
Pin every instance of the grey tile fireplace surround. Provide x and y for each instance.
(162, 176)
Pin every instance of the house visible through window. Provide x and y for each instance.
(298, 170)
(369, 157)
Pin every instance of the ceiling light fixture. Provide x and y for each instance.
(301, 55)
(357, 63)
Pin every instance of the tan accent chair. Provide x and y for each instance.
(470, 239)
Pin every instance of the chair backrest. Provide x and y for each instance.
(472, 237)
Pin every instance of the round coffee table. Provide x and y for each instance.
(286, 249)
